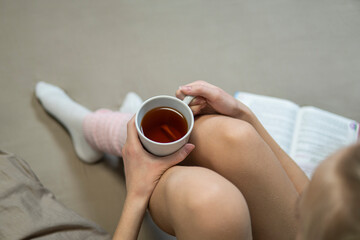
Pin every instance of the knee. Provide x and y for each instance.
(224, 130)
(238, 133)
(207, 202)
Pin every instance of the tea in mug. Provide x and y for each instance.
(164, 124)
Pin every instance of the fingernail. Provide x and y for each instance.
(189, 147)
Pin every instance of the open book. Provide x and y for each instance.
(307, 134)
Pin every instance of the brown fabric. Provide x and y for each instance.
(29, 211)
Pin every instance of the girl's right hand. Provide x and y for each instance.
(142, 169)
(210, 99)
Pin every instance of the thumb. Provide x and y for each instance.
(180, 155)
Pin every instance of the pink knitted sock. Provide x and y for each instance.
(106, 131)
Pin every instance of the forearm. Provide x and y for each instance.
(131, 218)
(296, 175)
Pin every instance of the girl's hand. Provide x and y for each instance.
(142, 169)
(142, 173)
(211, 99)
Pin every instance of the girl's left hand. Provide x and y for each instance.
(210, 99)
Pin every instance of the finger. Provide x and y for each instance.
(132, 139)
(180, 155)
(207, 110)
(202, 83)
(202, 89)
(132, 134)
(197, 109)
(198, 101)
(179, 94)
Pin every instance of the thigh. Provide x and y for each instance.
(197, 203)
(235, 150)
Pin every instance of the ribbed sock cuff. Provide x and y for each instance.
(106, 131)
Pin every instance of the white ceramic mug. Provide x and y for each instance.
(163, 149)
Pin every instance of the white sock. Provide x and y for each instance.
(131, 103)
(71, 115)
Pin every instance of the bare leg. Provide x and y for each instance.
(197, 203)
(235, 150)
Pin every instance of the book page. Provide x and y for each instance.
(277, 115)
(318, 134)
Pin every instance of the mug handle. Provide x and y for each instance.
(187, 100)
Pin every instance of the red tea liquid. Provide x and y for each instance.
(164, 124)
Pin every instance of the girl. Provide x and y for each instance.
(233, 182)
